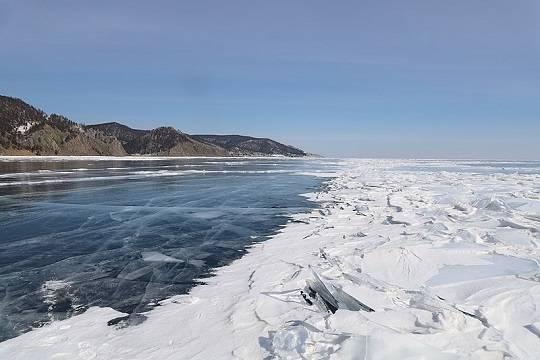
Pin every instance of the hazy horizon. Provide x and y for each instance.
(371, 79)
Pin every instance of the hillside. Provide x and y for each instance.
(245, 145)
(26, 130)
(163, 141)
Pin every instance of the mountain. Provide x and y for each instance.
(122, 132)
(26, 130)
(239, 145)
(163, 141)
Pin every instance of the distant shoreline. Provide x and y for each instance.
(26, 130)
(143, 157)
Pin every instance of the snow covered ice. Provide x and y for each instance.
(403, 260)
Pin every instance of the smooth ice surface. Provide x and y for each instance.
(445, 253)
(126, 234)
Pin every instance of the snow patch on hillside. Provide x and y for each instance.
(23, 129)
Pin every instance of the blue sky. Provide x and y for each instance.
(451, 79)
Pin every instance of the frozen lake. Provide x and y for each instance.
(126, 233)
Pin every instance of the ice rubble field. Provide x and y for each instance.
(418, 264)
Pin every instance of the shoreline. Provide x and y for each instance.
(141, 158)
(447, 261)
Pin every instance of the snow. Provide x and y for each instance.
(154, 256)
(420, 265)
(24, 128)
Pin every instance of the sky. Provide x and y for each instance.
(401, 79)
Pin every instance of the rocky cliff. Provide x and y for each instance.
(25, 130)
